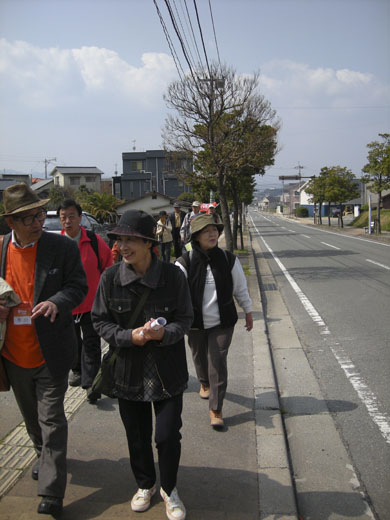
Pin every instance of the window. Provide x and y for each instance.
(137, 166)
(89, 180)
(57, 181)
(74, 181)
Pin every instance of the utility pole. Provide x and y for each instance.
(299, 168)
(48, 161)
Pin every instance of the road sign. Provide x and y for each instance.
(289, 178)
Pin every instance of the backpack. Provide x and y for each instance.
(95, 246)
(185, 260)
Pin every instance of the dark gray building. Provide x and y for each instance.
(150, 171)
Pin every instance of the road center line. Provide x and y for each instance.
(367, 397)
(377, 263)
(306, 236)
(330, 245)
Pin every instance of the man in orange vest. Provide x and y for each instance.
(45, 270)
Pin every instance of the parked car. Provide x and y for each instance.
(335, 212)
(53, 224)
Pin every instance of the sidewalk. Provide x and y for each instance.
(241, 473)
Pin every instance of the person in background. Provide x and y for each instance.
(96, 257)
(213, 212)
(46, 272)
(185, 230)
(164, 234)
(214, 276)
(151, 369)
(176, 218)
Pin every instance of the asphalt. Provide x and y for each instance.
(243, 472)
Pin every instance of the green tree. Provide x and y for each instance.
(58, 194)
(340, 186)
(377, 170)
(316, 188)
(102, 206)
(211, 117)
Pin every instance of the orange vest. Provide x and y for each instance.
(21, 345)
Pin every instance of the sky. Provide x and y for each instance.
(82, 81)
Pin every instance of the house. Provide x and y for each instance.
(76, 176)
(151, 203)
(268, 203)
(43, 187)
(151, 171)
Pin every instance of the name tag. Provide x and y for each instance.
(22, 314)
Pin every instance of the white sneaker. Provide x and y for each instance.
(141, 500)
(174, 507)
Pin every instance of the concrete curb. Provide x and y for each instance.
(276, 489)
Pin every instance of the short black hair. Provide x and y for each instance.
(69, 203)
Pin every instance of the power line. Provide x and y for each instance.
(193, 35)
(201, 37)
(184, 33)
(215, 36)
(170, 43)
(179, 37)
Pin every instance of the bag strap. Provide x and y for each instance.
(95, 246)
(1, 246)
(134, 316)
(140, 306)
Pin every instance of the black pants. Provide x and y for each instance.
(89, 349)
(137, 420)
(177, 243)
(165, 248)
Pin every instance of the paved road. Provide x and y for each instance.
(337, 290)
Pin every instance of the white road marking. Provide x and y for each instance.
(377, 263)
(306, 236)
(367, 397)
(330, 245)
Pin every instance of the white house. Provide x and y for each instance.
(76, 176)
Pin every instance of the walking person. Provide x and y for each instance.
(185, 230)
(46, 272)
(213, 212)
(214, 276)
(151, 368)
(96, 256)
(176, 218)
(164, 234)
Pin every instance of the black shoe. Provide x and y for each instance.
(35, 471)
(50, 506)
(74, 378)
(92, 396)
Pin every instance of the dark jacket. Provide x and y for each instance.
(116, 298)
(60, 278)
(172, 219)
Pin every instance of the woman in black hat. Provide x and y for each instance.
(151, 366)
(214, 277)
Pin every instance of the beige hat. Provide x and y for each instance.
(199, 223)
(196, 203)
(18, 198)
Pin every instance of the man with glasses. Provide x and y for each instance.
(96, 256)
(45, 270)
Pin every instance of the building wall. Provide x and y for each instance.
(145, 172)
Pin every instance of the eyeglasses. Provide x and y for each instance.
(27, 221)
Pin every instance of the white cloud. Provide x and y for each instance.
(46, 77)
(292, 84)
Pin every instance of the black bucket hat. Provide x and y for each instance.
(135, 223)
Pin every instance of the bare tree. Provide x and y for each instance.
(203, 107)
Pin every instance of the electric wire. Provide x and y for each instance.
(215, 35)
(201, 37)
(180, 38)
(184, 34)
(193, 35)
(170, 43)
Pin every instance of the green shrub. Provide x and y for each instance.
(301, 212)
